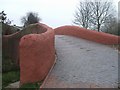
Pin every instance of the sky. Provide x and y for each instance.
(53, 13)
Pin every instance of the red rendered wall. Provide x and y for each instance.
(37, 55)
(99, 37)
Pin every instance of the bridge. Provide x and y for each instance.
(82, 63)
(64, 57)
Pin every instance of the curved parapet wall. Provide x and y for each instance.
(10, 43)
(37, 55)
(99, 37)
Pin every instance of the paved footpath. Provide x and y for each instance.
(83, 64)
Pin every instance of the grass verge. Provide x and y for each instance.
(13, 76)
(10, 77)
(33, 86)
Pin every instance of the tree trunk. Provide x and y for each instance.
(98, 27)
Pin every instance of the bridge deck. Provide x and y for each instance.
(83, 64)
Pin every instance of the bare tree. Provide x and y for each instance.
(95, 13)
(30, 18)
(101, 13)
(82, 15)
(111, 27)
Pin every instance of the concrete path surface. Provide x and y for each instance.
(83, 64)
(14, 85)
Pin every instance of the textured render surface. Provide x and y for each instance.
(76, 31)
(83, 64)
(37, 55)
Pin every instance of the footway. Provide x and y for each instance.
(83, 64)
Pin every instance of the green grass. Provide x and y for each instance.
(33, 86)
(10, 77)
(13, 76)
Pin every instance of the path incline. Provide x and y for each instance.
(83, 64)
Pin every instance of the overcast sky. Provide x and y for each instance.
(54, 13)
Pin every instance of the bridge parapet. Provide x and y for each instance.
(95, 36)
(37, 55)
